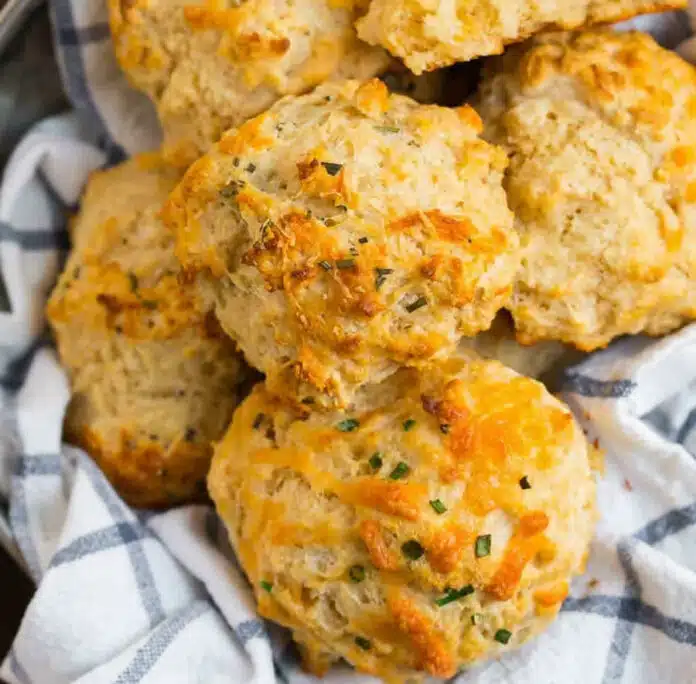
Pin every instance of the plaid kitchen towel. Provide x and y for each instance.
(125, 596)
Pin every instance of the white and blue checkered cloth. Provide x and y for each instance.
(157, 598)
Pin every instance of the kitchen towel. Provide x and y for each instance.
(131, 596)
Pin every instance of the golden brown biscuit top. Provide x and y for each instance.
(445, 485)
(381, 222)
(601, 131)
(123, 275)
(428, 35)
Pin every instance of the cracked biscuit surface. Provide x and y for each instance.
(346, 232)
(435, 525)
(153, 378)
(209, 65)
(428, 34)
(600, 128)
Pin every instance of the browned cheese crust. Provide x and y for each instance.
(153, 378)
(436, 525)
(600, 128)
(345, 233)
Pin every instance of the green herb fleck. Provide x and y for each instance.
(258, 420)
(331, 168)
(381, 276)
(454, 595)
(348, 425)
(344, 264)
(325, 265)
(357, 573)
(524, 483)
(502, 636)
(251, 168)
(376, 460)
(231, 190)
(418, 304)
(412, 550)
(266, 586)
(483, 546)
(388, 129)
(235, 161)
(445, 428)
(409, 425)
(438, 506)
(363, 643)
(401, 471)
(133, 280)
(476, 618)
(363, 240)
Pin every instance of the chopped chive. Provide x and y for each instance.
(388, 129)
(308, 401)
(348, 425)
(331, 168)
(133, 280)
(343, 264)
(325, 265)
(454, 595)
(381, 276)
(438, 506)
(483, 546)
(524, 483)
(409, 424)
(357, 573)
(267, 586)
(258, 420)
(476, 618)
(400, 471)
(502, 636)
(363, 643)
(251, 168)
(418, 304)
(363, 240)
(445, 428)
(376, 460)
(231, 190)
(412, 550)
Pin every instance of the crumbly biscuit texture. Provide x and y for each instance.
(600, 128)
(346, 232)
(436, 525)
(428, 35)
(211, 64)
(153, 377)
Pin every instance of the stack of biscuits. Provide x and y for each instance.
(399, 490)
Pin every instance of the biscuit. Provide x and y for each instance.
(600, 128)
(436, 525)
(153, 378)
(428, 35)
(346, 232)
(210, 66)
